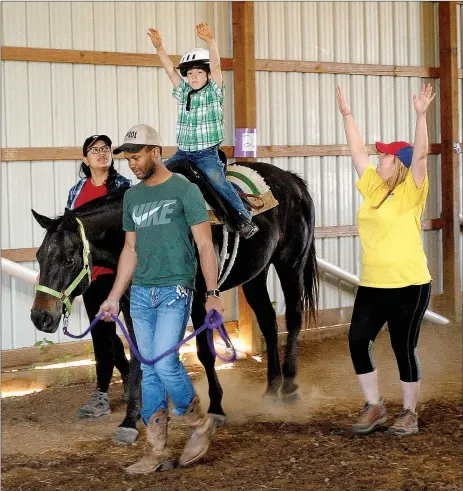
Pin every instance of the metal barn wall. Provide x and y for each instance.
(54, 104)
(301, 109)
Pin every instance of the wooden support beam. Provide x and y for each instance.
(28, 254)
(270, 151)
(41, 154)
(81, 57)
(244, 92)
(449, 110)
(244, 75)
(111, 58)
(346, 68)
(352, 230)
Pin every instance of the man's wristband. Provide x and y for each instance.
(212, 293)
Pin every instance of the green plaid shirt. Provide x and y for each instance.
(202, 126)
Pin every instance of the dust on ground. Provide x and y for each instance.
(303, 446)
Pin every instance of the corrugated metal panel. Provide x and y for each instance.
(65, 103)
(114, 26)
(305, 31)
(47, 104)
(296, 109)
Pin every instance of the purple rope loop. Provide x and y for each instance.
(213, 321)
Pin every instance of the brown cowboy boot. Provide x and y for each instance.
(200, 439)
(156, 435)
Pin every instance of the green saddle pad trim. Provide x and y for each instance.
(246, 180)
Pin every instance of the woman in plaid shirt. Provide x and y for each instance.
(200, 126)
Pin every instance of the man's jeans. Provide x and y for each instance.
(209, 163)
(160, 316)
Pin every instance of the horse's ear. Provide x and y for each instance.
(42, 220)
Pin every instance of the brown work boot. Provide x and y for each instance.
(373, 416)
(406, 424)
(200, 439)
(159, 456)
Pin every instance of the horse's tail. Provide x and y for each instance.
(311, 284)
(308, 260)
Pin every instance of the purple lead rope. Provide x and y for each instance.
(213, 321)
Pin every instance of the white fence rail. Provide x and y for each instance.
(30, 276)
(354, 280)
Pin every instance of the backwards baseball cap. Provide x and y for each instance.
(138, 137)
(92, 139)
(402, 150)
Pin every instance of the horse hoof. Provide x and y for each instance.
(291, 398)
(270, 398)
(125, 435)
(219, 419)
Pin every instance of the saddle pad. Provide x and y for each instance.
(249, 182)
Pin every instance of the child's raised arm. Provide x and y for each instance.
(169, 67)
(205, 33)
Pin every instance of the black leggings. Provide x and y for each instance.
(403, 310)
(108, 347)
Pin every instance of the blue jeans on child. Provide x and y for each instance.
(209, 163)
(160, 316)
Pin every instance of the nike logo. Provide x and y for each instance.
(142, 218)
(139, 215)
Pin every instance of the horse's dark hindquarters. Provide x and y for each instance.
(285, 239)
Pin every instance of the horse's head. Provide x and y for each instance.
(65, 270)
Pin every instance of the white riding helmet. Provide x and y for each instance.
(195, 58)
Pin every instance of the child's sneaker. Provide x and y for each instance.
(372, 417)
(406, 424)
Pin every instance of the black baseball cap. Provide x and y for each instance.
(92, 139)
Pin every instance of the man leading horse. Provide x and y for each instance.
(164, 216)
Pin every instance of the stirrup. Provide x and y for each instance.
(247, 230)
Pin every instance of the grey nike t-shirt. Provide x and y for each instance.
(161, 216)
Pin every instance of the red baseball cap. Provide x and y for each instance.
(402, 150)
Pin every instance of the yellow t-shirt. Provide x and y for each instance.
(392, 248)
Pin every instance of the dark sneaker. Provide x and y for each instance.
(97, 405)
(373, 416)
(406, 424)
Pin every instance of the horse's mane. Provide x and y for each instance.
(113, 197)
(67, 220)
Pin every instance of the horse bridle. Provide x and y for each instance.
(64, 296)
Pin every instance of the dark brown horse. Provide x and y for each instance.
(285, 239)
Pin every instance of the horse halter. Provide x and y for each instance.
(64, 295)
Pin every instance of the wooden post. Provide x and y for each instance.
(244, 79)
(449, 108)
(244, 74)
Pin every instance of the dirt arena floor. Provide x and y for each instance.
(305, 446)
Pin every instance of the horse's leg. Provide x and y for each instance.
(256, 294)
(291, 284)
(198, 314)
(127, 431)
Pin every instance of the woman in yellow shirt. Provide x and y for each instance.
(395, 283)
